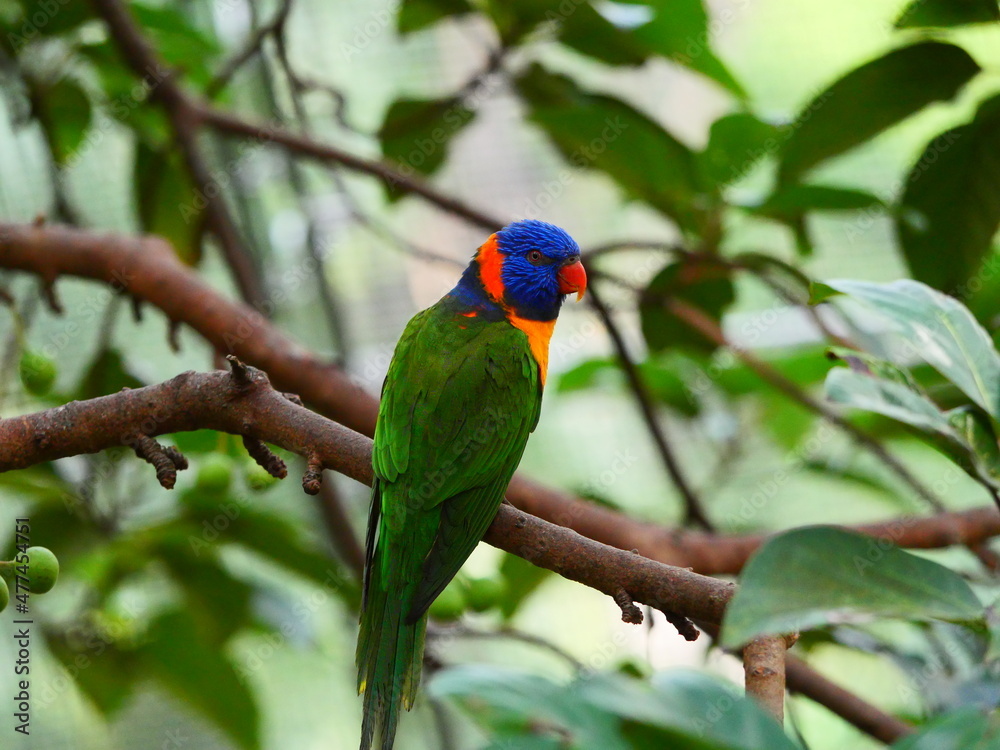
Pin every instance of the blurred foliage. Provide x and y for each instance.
(64, 79)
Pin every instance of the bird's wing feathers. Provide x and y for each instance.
(460, 399)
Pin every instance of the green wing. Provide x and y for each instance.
(459, 401)
(461, 396)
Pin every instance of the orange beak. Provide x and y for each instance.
(573, 278)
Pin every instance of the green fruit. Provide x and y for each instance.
(38, 372)
(450, 603)
(214, 473)
(484, 593)
(43, 570)
(258, 478)
(4, 595)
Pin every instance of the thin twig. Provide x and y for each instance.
(252, 47)
(183, 115)
(692, 504)
(702, 323)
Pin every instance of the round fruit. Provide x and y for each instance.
(450, 603)
(484, 593)
(258, 478)
(38, 372)
(43, 570)
(214, 473)
(4, 594)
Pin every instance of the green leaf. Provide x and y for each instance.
(169, 205)
(416, 133)
(606, 134)
(419, 14)
(125, 99)
(219, 603)
(522, 579)
(505, 701)
(951, 205)
(197, 441)
(46, 18)
(945, 13)
(106, 374)
(590, 33)
(662, 378)
(977, 433)
(278, 540)
(820, 575)
(890, 399)
(64, 112)
(736, 144)
(199, 673)
(104, 672)
(820, 292)
(183, 46)
(791, 201)
(873, 98)
(964, 434)
(940, 330)
(677, 707)
(587, 374)
(965, 729)
(707, 286)
(679, 32)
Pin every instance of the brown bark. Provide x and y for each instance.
(244, 403)
(147, 269)
(764, 668)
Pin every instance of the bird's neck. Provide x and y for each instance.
(471, 295)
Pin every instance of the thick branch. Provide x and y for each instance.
(148, 270)
(244, 403)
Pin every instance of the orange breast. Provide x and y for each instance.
(539, 333)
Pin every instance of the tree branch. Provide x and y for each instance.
(224, 122)
(244, 403)
(182, 113)
(764, 667)
(702, 323)
(802, 678)
(146, 269)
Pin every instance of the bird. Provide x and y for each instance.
(461, 396)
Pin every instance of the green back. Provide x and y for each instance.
(459, 401)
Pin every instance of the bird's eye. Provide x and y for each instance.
(535, 256)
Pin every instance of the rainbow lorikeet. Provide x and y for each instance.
(462, 394)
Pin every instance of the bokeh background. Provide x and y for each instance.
(350, 262)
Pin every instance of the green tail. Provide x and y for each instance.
(390, 652)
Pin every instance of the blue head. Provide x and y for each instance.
(528, 267)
